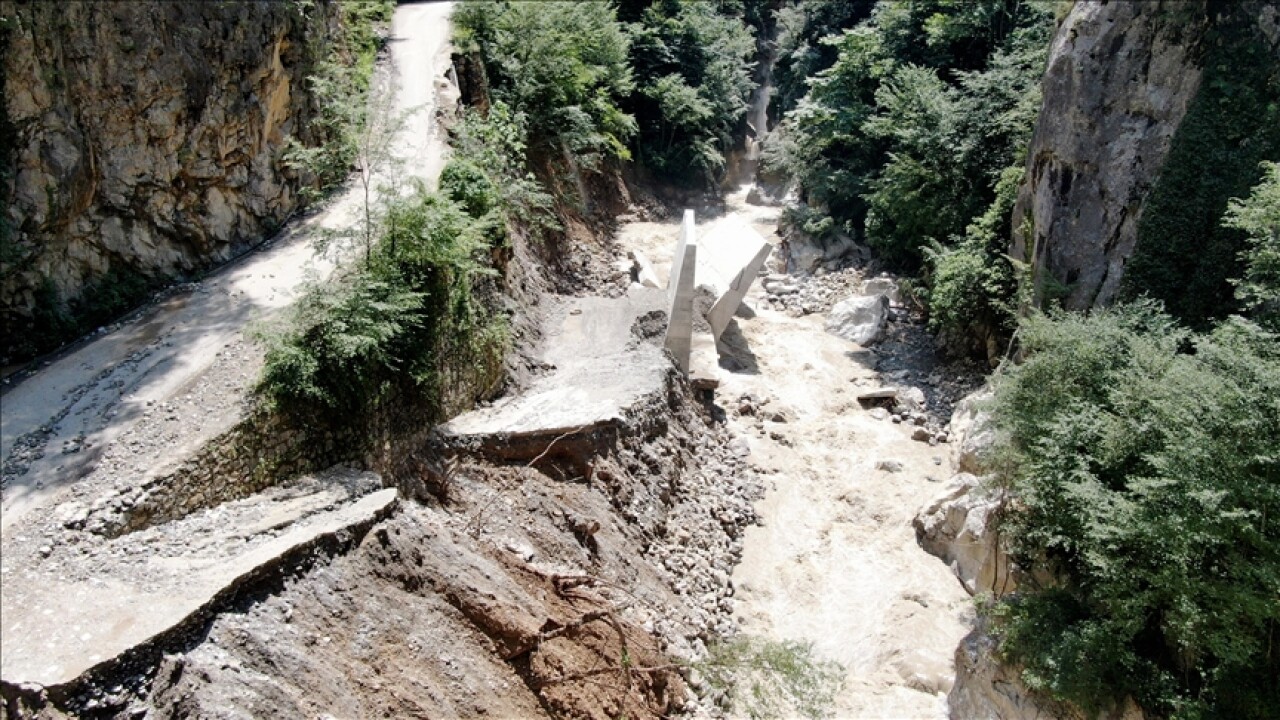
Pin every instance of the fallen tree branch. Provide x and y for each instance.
(604, 671)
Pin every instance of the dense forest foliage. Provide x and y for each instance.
(1142, 467)
(911, 137)
(662, 83)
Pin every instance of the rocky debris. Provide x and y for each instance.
(806, 254)
(802, 294)
(859, 319)
(543, 593)
(136, 475)
(62, 623)
(879, 396)
(892, 466)
(959, 525)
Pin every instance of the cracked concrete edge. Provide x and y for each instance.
(726, 305)
(250, 586)
(688, 236)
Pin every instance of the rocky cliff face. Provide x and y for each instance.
(148, 136)
(1118, 83)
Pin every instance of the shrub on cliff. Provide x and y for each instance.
(1258, 216)
(1144, 466)
(404, 325)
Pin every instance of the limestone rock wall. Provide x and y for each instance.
(1118, 82)
(147, 136)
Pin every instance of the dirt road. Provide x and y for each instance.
(56, 423)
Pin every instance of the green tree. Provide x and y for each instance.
(1258, 216)
(693, 63)
(801, 53)
(1143, 465)
(560, 65)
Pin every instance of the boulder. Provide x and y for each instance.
(882, 286)
(958, 527)
(803, 255)
(859, 319)
(910, 399)
(972, 430)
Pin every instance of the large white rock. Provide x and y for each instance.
(971, 432)
(958, 526)
(882, 286)
(859, 319)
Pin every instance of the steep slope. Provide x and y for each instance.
(1118, 83)
(1154, 114)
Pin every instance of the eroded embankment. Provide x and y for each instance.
(524, 589)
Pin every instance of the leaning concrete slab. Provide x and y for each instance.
(679, 337)
(141, 588)
(645, 274)
(688, 236)
(731, 256)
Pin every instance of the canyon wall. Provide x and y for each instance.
(1155, 114)
(145, 139)
(1118, 82)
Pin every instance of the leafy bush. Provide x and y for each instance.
(403, 325)
(973, 285)
(495, 145)
(773, 679)
(1144, 466)
(1258, 216)
(466, 184)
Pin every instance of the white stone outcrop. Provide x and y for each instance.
(972, 432)
(959, 527)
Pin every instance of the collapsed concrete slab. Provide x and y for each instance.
(143, 589)
(645, 275)
(606, 360)
(731, 256)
